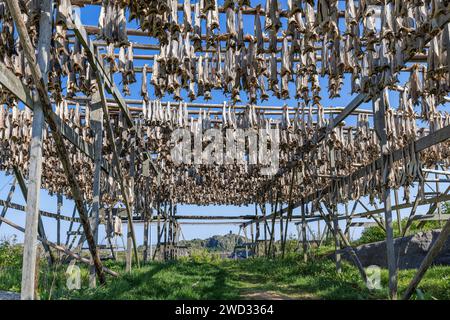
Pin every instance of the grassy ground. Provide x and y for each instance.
(206, 277)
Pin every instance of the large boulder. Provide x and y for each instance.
(410, 251)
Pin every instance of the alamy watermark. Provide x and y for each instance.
(373, 277)
(73, 273)
(229, 146)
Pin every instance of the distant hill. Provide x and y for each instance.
(216, 243)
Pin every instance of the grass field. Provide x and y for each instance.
(209, 278)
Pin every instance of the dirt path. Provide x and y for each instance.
(273, 295)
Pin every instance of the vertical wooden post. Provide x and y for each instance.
(97, 128)
(380, 129)
(35, 166)
(36, 273)
(318, 231)
(263, 211)
(129, 233)
(150, 237)
(304, 245)
(158, 230)
(347, 222)
(58, 219)
(147, 217)
(337, 243)
(399, 217)
(281, 229)
(166, 218)
(436, 176)
(258, 231)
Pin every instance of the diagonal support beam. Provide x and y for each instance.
(7, 203)
(11, 82)
(61, 150)
(116, 163)
(41, 230)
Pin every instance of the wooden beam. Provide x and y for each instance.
(61, 150)
(58, 247)
(380, 128)
(43, 213)
(97, 128)
(41, 230)
(28, 289)
(116, 163)
(428, 260)
(73, 22)
(8, 200)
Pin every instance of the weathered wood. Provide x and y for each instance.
(35, 165)
(95, 61)
(41, 231)
(130, 235)
(61, 248)
(399, 217)
(428, 260)
(59, 203)
(8, 200)
(116, 161)
(97, 128)
(348, 246)
(380, 129)
(61, 150)
(146, 230)
(304, 247)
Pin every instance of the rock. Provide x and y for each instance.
(410, 250)
(6, 295)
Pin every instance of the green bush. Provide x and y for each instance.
(10, 254)
(375, 233)
(204, 256)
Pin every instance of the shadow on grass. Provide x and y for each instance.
(170, 280)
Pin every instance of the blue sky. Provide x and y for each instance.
(89, 17)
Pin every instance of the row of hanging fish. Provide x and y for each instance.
(371, 54)
(235, 183)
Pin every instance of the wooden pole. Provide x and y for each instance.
(272, 233)
(59, 248)
(8, 199)
(337, 243)
(116, 160)
(347, 244)
(35, 166)
(263, 211)
(399, 217)
(380, 129)
(289, 214)
(39, 79)
(429, 258)
(130, 223)
(58, 219)
(36, 272)
(97, 128)
(304, 246)
(146, 225)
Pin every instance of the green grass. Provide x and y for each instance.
(206, 277)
